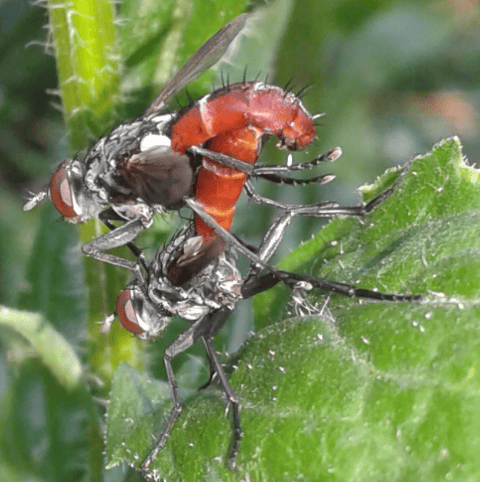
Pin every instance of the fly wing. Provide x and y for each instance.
(159, 177)
(191, 263)
(206, 56)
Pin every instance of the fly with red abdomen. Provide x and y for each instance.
(147, 165)
(233, 121)
(133, 172)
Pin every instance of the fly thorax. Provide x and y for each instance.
(164, 123)
(218, 285)
(95, 165)
(155, 141)
(190, 311)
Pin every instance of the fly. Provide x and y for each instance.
(207, 300)
(147, 165)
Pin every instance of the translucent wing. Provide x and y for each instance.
(159, 177)
(206, 56)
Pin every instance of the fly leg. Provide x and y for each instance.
(110, 215)
(258, 199)
(215, 322)
(255, 284)
(182, 343)
(277, 233)
(231, 398)
(214, 328)
(211, 376)
(229, 238)
(282, 276)
(203, 327)
(269, 245)
(274, 174)
(330, 209)
(289, 166)
(120, 236)
(269, 280)
(257, 261)
(361, 209)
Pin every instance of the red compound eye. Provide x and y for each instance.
(61, 194)
(126, 313)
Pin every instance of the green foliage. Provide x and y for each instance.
(84, 39)
(341, 395)
(49, 431)
(385, 391)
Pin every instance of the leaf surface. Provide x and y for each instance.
(341, 395)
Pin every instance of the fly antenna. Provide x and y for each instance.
(35, 199)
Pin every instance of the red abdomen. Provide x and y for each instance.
(233, 121)
(218, 187)
(270, 109)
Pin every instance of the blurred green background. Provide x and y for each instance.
(393, 77)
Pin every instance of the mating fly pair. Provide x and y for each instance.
(200, 157)
(149, 165)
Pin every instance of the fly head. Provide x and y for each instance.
(69, 194)
(139, 315)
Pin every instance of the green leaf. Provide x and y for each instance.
(133, 401)
(403, 245)
(51, 347)
(341, 395)
(55, 284)
(48, 433)
(50, 426)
